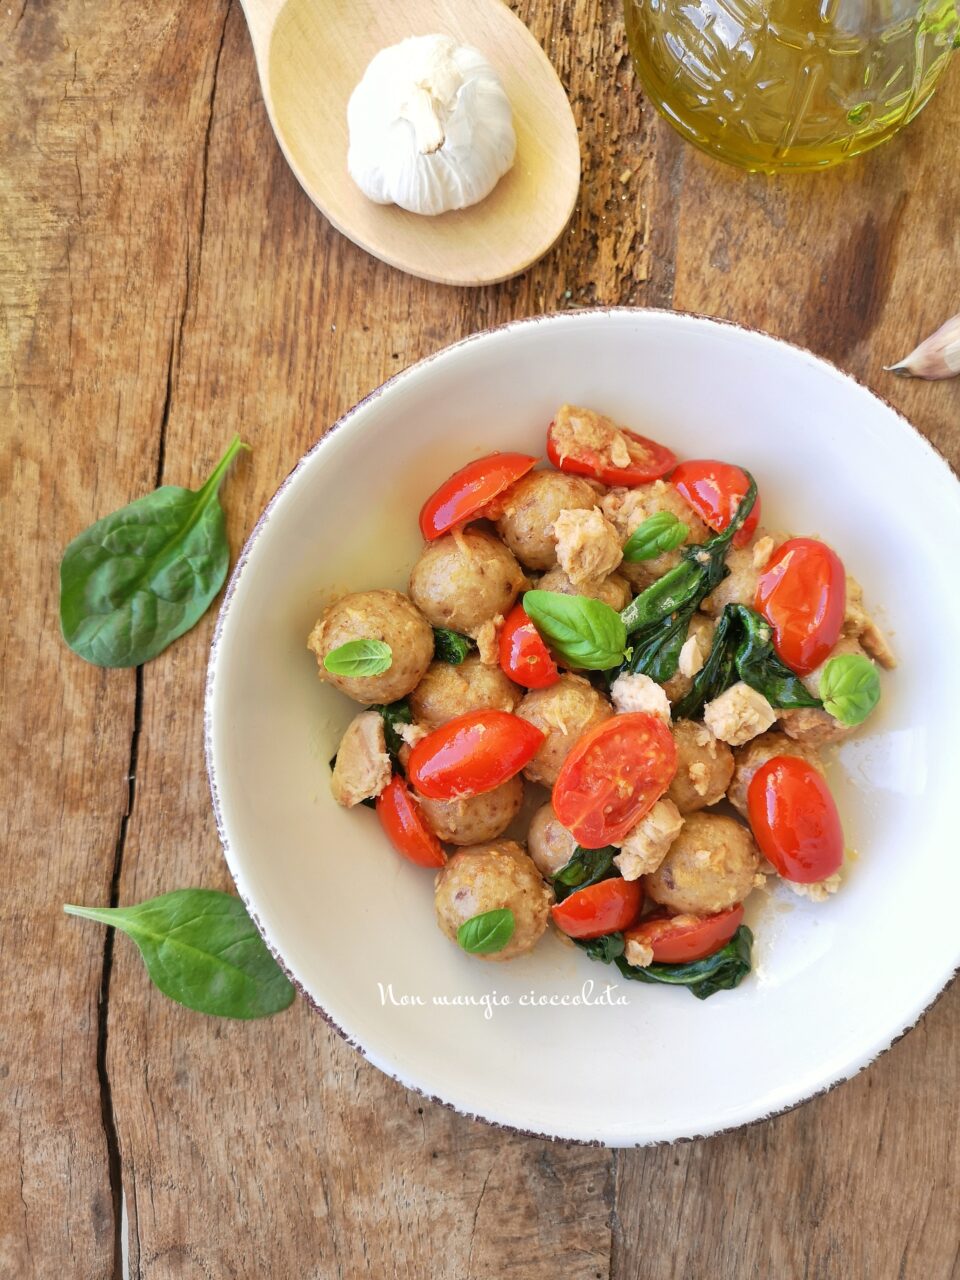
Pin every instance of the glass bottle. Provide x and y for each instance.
(790, 84)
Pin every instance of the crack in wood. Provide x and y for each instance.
(106, 1095)
(206, 140)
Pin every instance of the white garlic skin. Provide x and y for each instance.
(431, 128)
(936, 357)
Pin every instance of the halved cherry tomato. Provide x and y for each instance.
(523, 655)
(649, 460)
(472, 754)
(794, 819)
(715, 491)
(802, 593)
(681, 939)
(469, 489)
(612, 776)
(600, 908)
(406, 829)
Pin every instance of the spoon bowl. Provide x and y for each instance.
(310, 56)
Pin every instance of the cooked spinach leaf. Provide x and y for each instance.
(605, 949)
(701, 569)
(451, 646)
(722, 971)
(586, 866)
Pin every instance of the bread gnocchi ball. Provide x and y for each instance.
(614, 590)
(749, 758)
(529, 509)
(375, 615)
(564, 712)
(746, 565)
(627, 509)
(711, 865)
(447, 691)
(473, 819)
(463, 580)
(490, 877)
(550, 845)
(704, 767)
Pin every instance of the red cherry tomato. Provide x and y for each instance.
(715, 491)
(649, 460)
(681, 939)
(406, 829)
(523, 655)
(469, 489)
(794, 819)
(600, 908)
(472, 754)
(802, 593)
(613, 776)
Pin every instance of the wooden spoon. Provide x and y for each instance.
(310, 55)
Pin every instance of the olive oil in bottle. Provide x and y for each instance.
(790, 84)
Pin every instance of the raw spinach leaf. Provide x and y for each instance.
(722, 971)
(139, 578)
(202, 950)
(451, 646)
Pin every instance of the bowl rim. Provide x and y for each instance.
(411, 371)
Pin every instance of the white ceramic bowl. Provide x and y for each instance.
(833, 984)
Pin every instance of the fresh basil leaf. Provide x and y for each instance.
(658, 533)
(394, 713)
(722, 971)
(605, 949)
(586, 866)
(202, 950)
(451, 646)
(359, 658)
(139, 578)
(759, 666)
(849, 687)
(488, 932)
(586, 633)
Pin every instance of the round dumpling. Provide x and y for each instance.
(614, 590)
(465, 579)
(375, 615)
(528, 511)
(550, 844)
(491, 877)
(447, 691)
(750, 757)
(704, 767)
(564, 712)
(474, 819)
(712, 865)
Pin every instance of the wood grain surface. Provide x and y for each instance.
(165, 282)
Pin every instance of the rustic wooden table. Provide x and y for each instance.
(165, 283)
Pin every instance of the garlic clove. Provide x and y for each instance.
(936, 357)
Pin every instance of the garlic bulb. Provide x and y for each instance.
(430, 126)
(937, 357)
